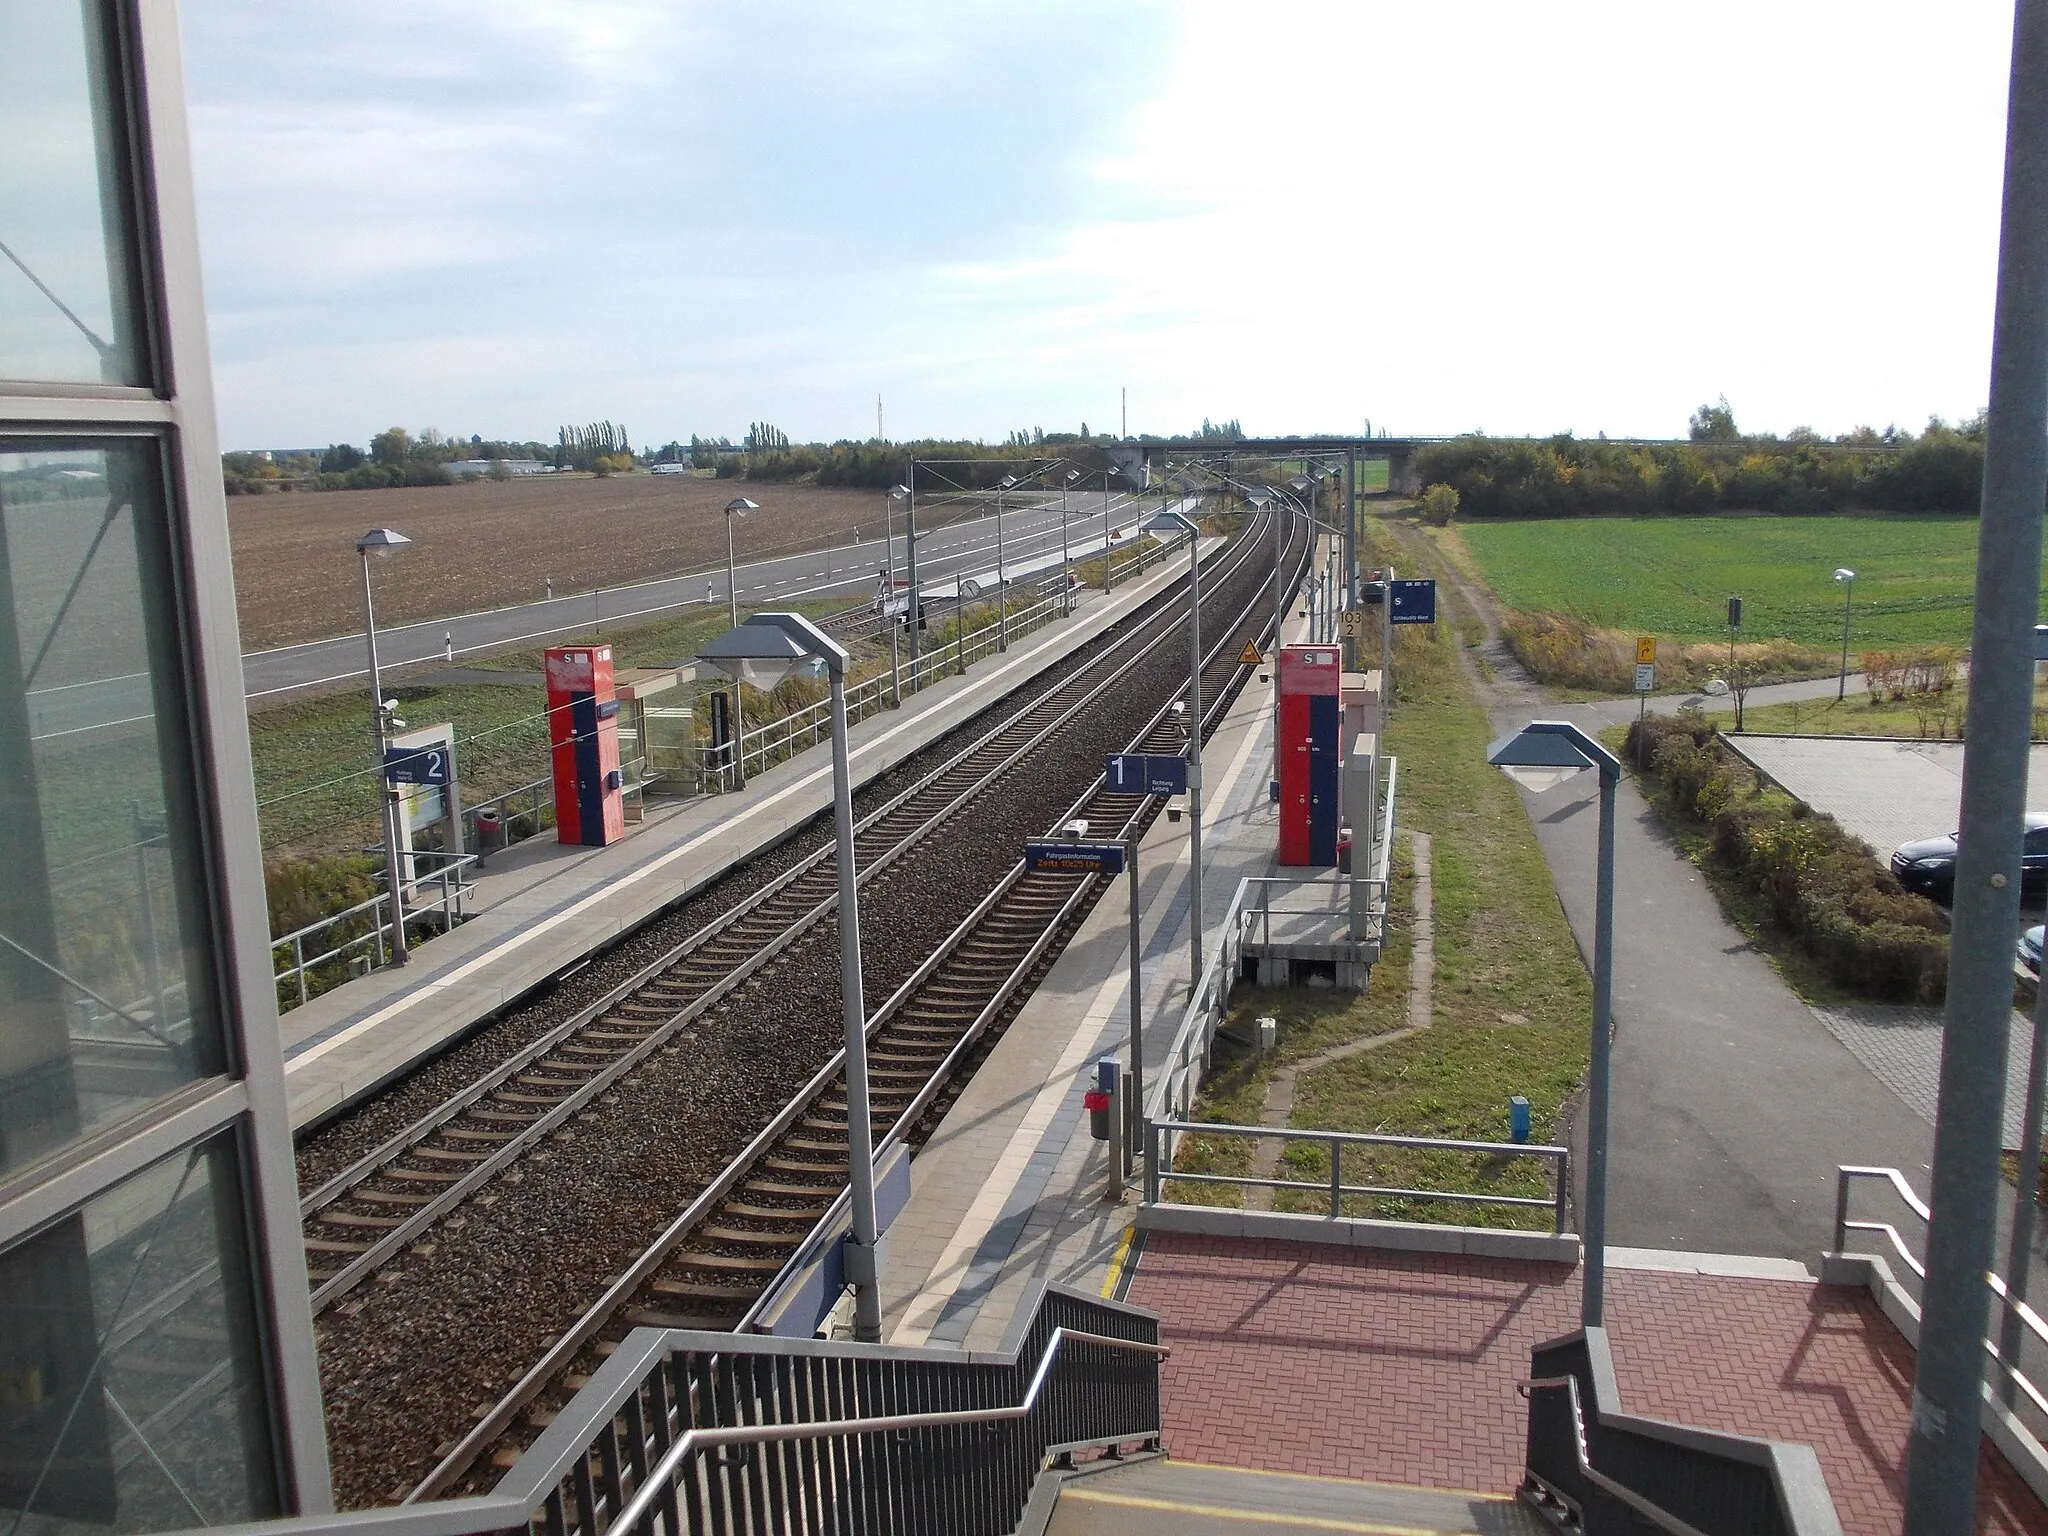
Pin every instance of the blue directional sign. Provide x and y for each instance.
(1075, 858)
(418, 765)
(1414, 602)
(1146, 773)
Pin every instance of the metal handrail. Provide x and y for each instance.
(1157, 1175)
(664, 1471)
(1657, 1516)
(448, 904)
(1847, 1175)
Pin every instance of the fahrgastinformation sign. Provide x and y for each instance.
(1059, 858)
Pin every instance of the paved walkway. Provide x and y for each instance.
(1346, 1362)
(1732, 1105)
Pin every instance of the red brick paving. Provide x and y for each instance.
(1402, 1367)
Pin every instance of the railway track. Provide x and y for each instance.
(360, 1219)
(715, 1262)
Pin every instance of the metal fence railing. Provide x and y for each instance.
(310, 960)
(520, 813)
(2025, 1327)
(1160, 1172)
(680, 1433)
(778, 740)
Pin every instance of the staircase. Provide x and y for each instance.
(1156, 1496)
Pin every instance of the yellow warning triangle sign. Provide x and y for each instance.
(1250, 657)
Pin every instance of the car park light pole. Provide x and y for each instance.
(383, 543)
(1539, 757)
(1846, 578)
(763, 651)
(1162, 526)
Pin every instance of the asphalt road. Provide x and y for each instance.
(959, 550)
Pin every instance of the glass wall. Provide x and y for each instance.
(68, 289)
(157, 1364)
(131, 1384)
(107, 998)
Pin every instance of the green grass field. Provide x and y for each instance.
(1673, 576)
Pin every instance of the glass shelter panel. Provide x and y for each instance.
(107, 982)
(131, 1388)
(68, 286)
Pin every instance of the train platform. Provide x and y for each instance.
(1010, 1188)
(540, 907)
(1401, 1367)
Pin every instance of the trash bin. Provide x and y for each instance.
(490, 831)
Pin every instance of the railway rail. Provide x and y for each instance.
(361, 1217)
(717, 1261)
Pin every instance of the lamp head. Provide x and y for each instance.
(1843, 573)
(740, 506)
(1300, 482)
(1007, 483)
(1073, 475)
(1168, 524)
(1258, 495)
(381, 542)
(899, 492)
(1547, 753)
(769, 647)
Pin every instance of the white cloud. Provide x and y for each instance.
(1472, 213)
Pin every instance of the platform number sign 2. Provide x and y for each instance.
(416, 765)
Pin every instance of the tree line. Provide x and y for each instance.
(1718, 468)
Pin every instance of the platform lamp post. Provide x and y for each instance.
(1539, 757)
(1066, 560)
(763, 651)
(739, 506)
(896, 493)
(1003, 487)
(1107, 475)
(1164, 525)
(383, 543)
(1847, 579)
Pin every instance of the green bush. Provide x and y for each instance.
(1824, 888)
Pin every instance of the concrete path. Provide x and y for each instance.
(1732, 1105)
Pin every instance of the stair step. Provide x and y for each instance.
(1156, 1496)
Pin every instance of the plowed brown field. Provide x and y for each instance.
(493, 543)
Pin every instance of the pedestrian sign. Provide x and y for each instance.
(1646, 677)
(1646, 650)
(1249, 656)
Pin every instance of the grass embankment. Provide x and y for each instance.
(1512, 1001)
(1575, 594)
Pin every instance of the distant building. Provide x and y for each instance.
(512, 466)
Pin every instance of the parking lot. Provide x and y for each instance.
(1886, 792)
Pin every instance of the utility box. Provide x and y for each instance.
(583, 729)
(1310, 685)
(1361, 804)
(1361, 701)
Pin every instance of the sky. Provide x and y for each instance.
(998, 214)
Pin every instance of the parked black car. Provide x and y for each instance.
(1929, 865)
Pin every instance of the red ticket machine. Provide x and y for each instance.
(583, 728)
(1311, 679)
